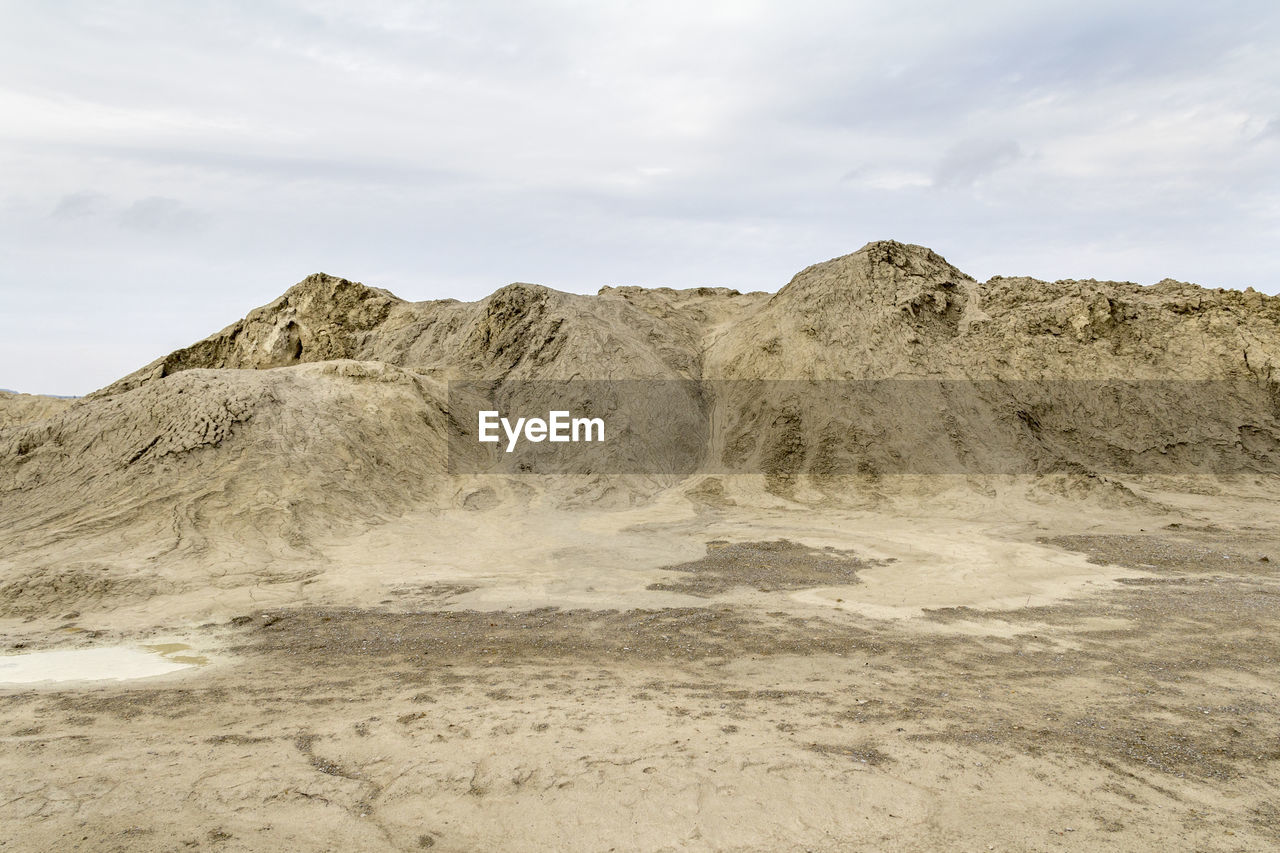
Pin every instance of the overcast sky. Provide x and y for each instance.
(165, 167)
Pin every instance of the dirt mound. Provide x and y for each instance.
(373, 427)
(519, 331)
(330, 406)
(208, 475)
(892, 310)
(1023, 375)
(22, 408)
(318, 319)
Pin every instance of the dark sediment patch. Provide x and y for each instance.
(862, 753)
(767, 566)
(1154, 552)
(479, 637)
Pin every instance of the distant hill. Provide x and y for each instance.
(329, 407)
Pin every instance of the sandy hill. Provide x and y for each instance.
(520, 331)
(18, 408)
(892, 310)
(329, 406)
(889, 310)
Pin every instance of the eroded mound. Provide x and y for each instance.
(328, 410)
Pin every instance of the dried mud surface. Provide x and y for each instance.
(1145, 718)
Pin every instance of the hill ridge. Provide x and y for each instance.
(888, 309)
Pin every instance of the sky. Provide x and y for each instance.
(166, 167)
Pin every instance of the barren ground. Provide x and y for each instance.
(781, 692)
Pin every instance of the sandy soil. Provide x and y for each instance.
(684, 678)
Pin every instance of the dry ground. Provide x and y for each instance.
(1139, 716)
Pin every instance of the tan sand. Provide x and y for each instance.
(823, 655)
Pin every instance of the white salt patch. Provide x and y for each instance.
(112, 663)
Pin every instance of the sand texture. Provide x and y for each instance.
(972, 601)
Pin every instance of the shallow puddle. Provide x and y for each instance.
(114, 663)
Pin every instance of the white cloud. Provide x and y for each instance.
(972, 159)
(157, 213)
(445, 149)
(79, 205)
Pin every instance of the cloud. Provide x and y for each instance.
(870, 177)
(667, 143)
(968, 161)
(79, 205)
(157, 213)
